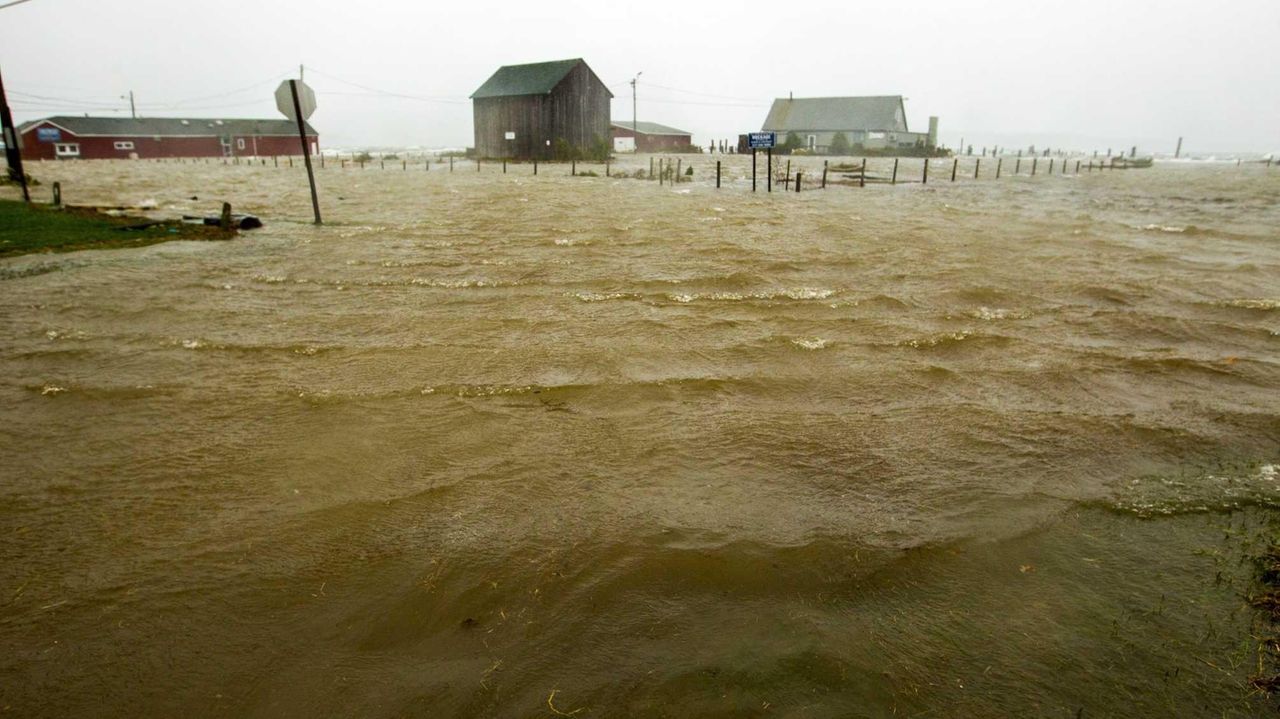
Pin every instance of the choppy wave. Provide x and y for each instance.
(1225, 490)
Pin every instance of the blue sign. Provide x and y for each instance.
(762, 140)
(48, 134)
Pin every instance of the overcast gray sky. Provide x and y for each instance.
(1081, 72)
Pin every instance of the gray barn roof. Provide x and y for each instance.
(538, 78)
(885, 112)
(168, 126)
(651, 128)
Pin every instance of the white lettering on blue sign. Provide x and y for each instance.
(48, 134)
(762, 140)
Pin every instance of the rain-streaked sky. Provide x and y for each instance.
(1076, 73)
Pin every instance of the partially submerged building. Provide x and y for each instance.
(650, 137)
(867, 123)
(70, 137)
(541, 110)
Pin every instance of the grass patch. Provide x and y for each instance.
(41, 228)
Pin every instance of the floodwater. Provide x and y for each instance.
(517, 446)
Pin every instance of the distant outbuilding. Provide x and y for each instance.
(542, 110)
(650, 137)
(867, 123)
(70, 137)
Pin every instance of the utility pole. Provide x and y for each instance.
(300, 71)
(12, 150)
(635, 126)
(133, 110)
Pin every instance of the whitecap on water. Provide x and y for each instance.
(810, 343)
(996, 313)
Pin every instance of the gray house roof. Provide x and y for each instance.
(885, 112)
(651, 128)
(537, 78)
(167, 126)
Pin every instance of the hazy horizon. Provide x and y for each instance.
(1085, 75)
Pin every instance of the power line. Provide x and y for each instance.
(11, 4)
(388, 93)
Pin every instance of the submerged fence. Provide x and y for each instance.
(676, 169)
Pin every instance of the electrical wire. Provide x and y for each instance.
(388, 93)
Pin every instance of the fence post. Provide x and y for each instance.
(450, 163)
(1077, 167)
(1034, 162)
(798, 176)
(894, 181)
(999, 166)
(955, 165)
(573, 167)
(977, 165)
(57, 194)
(924, 178)
(650, 168)
(824, 174)
(862, 181)
(717, 174)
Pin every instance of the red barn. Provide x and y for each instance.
(650, 137)
(114, 138)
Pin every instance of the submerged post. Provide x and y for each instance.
(924, 177)
(57, 194)
(824, 174)
(894, 181)
(306, 155)
(977, 165)
(862, 179)
(768, 177)
(753, 169)
(717, 174)
(999, 166)
(798, 174)
(1050, 165)
(955, 165)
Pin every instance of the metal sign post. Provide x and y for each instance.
(766, 140)
(297, 102)
(12, 150)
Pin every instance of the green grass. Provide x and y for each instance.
(41, 228)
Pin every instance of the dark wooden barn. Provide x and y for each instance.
(543, 110)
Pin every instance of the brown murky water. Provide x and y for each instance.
(504, 445)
